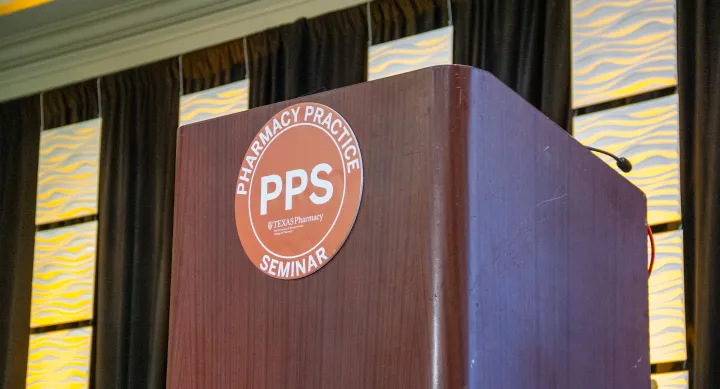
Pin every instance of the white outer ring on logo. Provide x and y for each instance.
(342, 200)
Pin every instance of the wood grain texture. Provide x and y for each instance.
(490, 251)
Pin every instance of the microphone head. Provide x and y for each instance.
(624, 164)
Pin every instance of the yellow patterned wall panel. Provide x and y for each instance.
(59, 360)
(647, 134)
(63, 275)
(68, 172)
(412, 53)
(621, 48)
(211, 103)
(677, 380)
(667, 300)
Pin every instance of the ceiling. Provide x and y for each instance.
(10, 6)
(47, 11)
(66, 41)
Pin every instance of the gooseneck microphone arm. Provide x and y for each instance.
(625, 165)
(622, 162)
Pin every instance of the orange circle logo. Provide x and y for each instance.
(298, 191)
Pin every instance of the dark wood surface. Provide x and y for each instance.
(490, 251)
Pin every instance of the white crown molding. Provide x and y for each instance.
(84, 19)
(124, 19)
(134, 33)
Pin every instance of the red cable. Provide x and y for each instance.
(652, 250)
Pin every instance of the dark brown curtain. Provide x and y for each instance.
(395, 19)
(19, 147)
(699, 89)
(137, 172)
(526, 44)
(213, 66)
(70, 104)
(308, 56)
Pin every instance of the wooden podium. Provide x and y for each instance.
(491, 251)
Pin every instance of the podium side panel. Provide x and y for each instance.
(557, 280)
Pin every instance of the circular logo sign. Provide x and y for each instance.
(298, 191)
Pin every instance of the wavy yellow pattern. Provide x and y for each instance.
(667, 300)
(412, 53)
(63, 275)
(646, 134)
(679, 380)
(211, 103)
(621, 48)
(59, 360)
(391, 50)
(68, 172)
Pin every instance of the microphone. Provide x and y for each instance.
(622, 162)
(625, 165)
